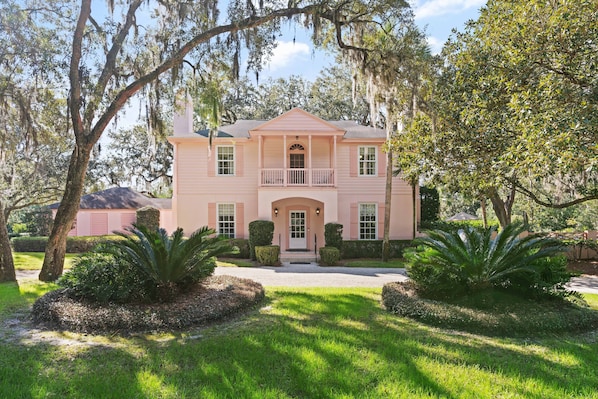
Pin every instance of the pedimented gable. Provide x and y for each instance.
(298, 120)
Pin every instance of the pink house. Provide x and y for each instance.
(296, 170)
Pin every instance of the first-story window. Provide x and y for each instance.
(367, 222)
(226, 160)
(226, 220)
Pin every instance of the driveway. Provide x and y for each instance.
(312, 275)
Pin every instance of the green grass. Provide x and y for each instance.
(34, 260)
(377, 263)
(232, 262)
(304, 343)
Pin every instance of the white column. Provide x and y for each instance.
(334, 171)
(284, 160)
(309, 171)
(260, 160)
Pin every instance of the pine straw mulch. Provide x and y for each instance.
(214, 299)
(584, 267)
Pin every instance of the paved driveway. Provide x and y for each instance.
(312, 275)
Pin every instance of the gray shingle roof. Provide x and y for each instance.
(119, 198)
(241, 128)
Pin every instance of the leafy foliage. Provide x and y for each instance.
(268, 255)
(329, 256)
(261, 233)
(149, 217)
(104, 277)
(170, 262)
(469, 260)
(333, 235)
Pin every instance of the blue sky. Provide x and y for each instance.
(437, 17)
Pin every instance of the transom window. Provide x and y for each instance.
(226, 220)
(367, 161)
(296, 147)
(226, 160)
(367, 222)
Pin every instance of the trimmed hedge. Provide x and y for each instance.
(267, 255)
(243, 245)
(149, 217)
(261, 232)
(354, 249)
(73, 244)
(329, 256)
(333, 235)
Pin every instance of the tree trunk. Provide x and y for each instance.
(502, 209)
(66, 214)
(7, 266)
(387, 204)
(484, 213)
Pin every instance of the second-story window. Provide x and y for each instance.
(226, 160)
(367, 161)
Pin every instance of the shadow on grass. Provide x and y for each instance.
(308, 344)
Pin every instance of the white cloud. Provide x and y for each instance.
(287, 53)
(435, 44)
(435, 8)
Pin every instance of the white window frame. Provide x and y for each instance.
(372, 235)
(362, 163)
(231, 167)
(229, 231)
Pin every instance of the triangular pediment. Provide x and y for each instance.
(297, 120)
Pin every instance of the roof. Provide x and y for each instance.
(242, 127)
(462, 216)
(119, 198)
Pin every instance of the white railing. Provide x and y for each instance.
(297, 177)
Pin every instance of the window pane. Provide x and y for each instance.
(367, 161)
(367, 222)
(226, 160)
(226, 220)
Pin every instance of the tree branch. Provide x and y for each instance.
(534, 197)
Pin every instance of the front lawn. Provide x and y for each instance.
(304, 343)
(34, 260)
(374, 263)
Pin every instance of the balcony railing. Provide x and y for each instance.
(297, 177)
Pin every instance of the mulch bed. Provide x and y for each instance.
(214, 299)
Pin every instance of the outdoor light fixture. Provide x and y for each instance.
(318, 211)
(276, 212)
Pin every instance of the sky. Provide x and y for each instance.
(437, 17)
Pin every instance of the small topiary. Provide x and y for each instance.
(267, 255)
(333, 235)
(261, 233)
(149, 217)
(329, 256)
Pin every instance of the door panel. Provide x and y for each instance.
(297, 236)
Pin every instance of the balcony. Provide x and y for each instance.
(297, 177)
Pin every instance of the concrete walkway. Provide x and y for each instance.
(312, 275)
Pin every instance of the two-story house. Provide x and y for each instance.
(296, 170)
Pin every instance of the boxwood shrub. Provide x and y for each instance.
(329, 256)
(261, 233)
(333, 235)
(353, 249)
(243, 245)
(267, 255)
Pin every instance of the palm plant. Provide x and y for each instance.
(168, 261)
(472, 259)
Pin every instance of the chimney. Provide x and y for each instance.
(183, 114)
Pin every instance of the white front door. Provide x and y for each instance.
(297, 236)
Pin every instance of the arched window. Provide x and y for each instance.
(296, 147)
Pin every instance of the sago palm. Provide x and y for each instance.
(475, 259)
(167, 259)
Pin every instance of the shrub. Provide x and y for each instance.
(333, 235)
(242, 245)
(149, 217)
(329, 256)
(171, 262)
(103, 277)
(452, 263)
(261, 233)
(353, 249)
(73, 244)
(267, 255)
